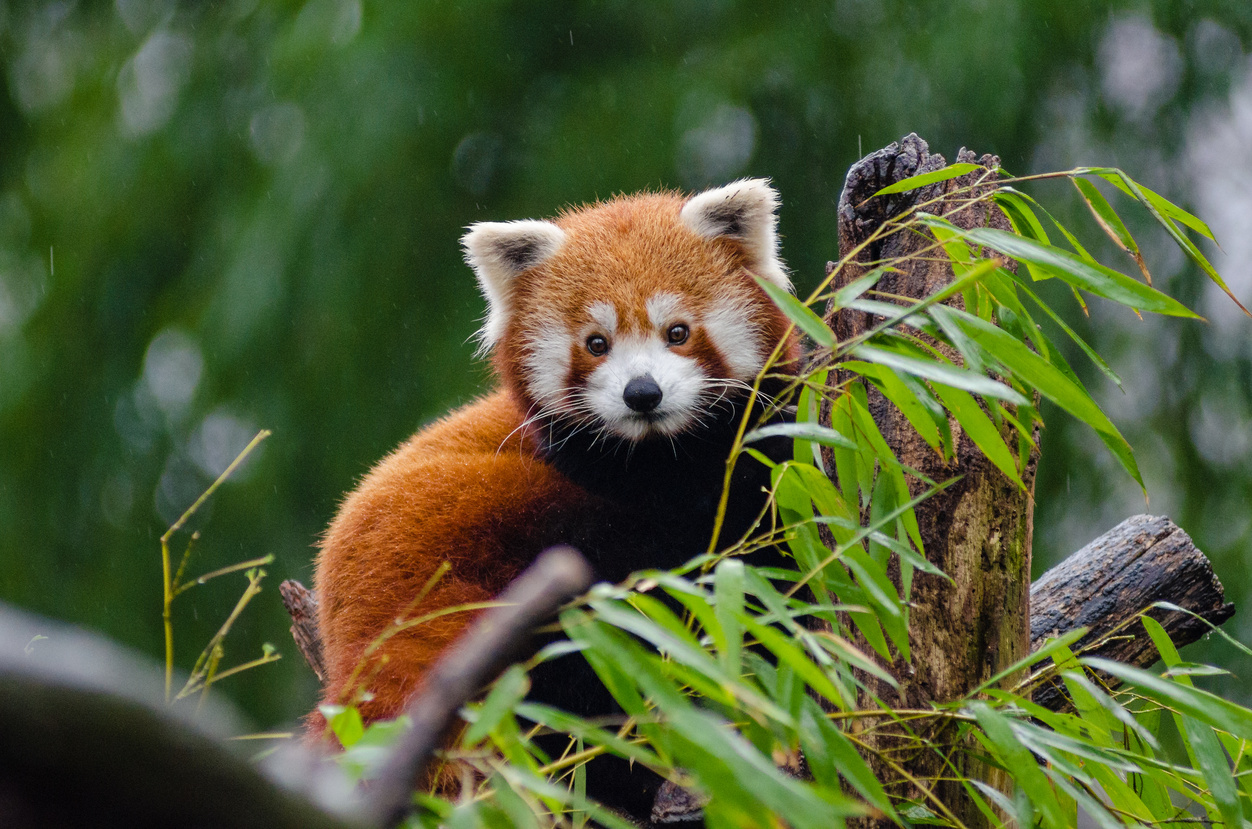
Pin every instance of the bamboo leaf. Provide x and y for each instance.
(1104, 367)
(940, 372)
(1149, 198)
(830, 754)
(905, 399)
(1015, 756)
(1193, 702)
(813, 432)
(1165, 212)
(506, 692)
(1108, 220)
(923, 179)
(853, 290)
(1092, 277)
(728, 588)
(802, 315)
(980, 430)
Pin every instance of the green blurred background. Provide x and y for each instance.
(218, 217)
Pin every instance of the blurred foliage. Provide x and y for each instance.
(221, 217)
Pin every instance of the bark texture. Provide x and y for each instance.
(1105, 585)
(978, 530)
(301, 605)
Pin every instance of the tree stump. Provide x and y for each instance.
(978, 531)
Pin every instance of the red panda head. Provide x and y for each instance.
(635, 317)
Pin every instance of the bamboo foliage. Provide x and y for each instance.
(720, 678)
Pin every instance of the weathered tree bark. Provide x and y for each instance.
(301, 604)
(1104, 586)
(978, 531)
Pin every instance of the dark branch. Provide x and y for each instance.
(557, 576)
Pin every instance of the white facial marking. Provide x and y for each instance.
(729, 325)
(681, 380)
(547, 363)
(663, 309)
(605, 316)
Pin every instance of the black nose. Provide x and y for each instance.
(642, 394)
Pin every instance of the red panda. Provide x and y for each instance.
(625, 336)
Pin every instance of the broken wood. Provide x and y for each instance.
(978, 531)
(1107, 584)
(301, 604)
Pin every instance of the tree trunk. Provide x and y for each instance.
(978, 531)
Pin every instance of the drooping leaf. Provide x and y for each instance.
(1106, 217)
(980, 430)
(1092, 277)
(941, 372)
(802, 315)
(812, 432)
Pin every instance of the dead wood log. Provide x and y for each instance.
(978, 531)
(1106, 585)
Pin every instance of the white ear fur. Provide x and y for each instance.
(743, 210)
(498, 252)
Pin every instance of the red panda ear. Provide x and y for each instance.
(498, 252)
(743, 210)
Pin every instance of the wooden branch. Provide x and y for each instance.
(558, 575)
(1107, 584)
(88, 740)
(301, 604)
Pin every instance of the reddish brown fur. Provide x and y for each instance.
(470, 490)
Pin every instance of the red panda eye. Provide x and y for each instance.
(677, 334)
(597, 345)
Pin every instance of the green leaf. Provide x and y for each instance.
(830, 754)
(980, 430)
(923, 179)
(1149, 198)
(1204, 742)
(801, 431)
(940, 372)
(802, 315)
(1081, 343)
(853, 290)
(1051, 383)
(728, 587)
(568, 723)
(345, 723)
(1165, 212)
(1094, 278)
(507, 691)
(1193, 702)
(1106, 217)
(905, 398)
(1026, 771)
(1049, 648)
